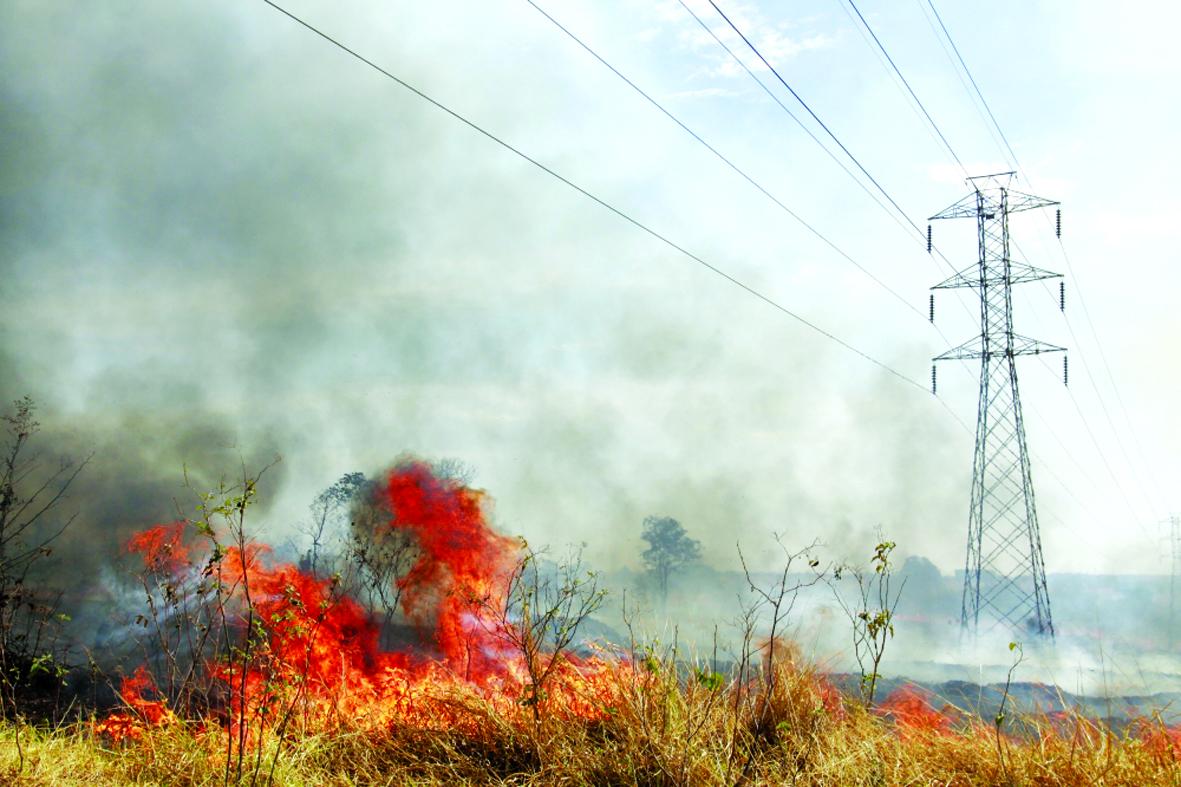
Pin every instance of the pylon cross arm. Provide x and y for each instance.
(1020, 272)
(968, 277)
(1023, 345)
(973, 348)
(1019, 201)
(964, 209)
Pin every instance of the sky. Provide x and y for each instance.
(224, 240)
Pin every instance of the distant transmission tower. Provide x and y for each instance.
(1004, 574)
(1175, 541)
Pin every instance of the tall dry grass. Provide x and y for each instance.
(656, 725)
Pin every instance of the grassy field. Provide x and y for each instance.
(262, 672)
(646, 725)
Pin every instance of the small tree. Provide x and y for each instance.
(328, 507)
(779, 599)
(31, 493)
(542, 610)
(1018, 656)
(669, 550)
(376, 556)
(870, 612)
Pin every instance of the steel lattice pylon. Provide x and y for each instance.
(1004, 572)
(1174, 542)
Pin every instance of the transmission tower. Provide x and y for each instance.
(1175, 542)
(1004, 573)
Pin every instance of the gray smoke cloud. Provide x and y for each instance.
(222, 233)
(224, 240)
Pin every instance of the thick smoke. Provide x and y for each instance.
(224, 240)
(221, 227)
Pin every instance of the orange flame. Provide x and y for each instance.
(912, 711)
(162, 548)
(144, 712)
(317, 658)
(1161, 740)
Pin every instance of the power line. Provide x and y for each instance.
(636, 223)
(1141, 486)
(753, 48)
(1069, 267)
(909, 89)
(609, 207)
(773, 70)
(815, 117)
(618, 212)
(968, 71)
(586, 47)
(823, 147)
(907, 218)
(742, 173)
(1095, 443)
(1106, 366)
(870, 177)
(738, 170)
(791, 114)
(992, 133)
(1107, 414)
(886, 67)
(747, 177)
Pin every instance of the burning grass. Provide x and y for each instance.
(263, 672)
(652, 725)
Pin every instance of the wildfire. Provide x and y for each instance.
(144, 712)
(1163, 741)
(162, 548)
(296, 653)
(307, 654)
(912, 710)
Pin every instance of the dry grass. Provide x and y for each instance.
(656, 728)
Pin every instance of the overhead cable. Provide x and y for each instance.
(601, 202)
